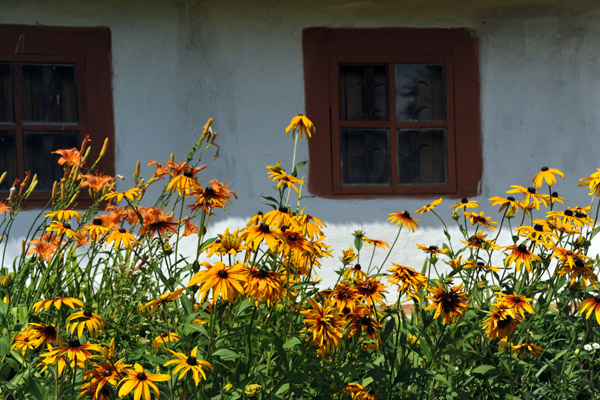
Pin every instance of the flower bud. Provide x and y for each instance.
(482, 284)
(252, 390)
(6, 281)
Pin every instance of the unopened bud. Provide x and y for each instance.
(54, 190)
(104, 148)
(136, 174)
(482, 284)
(72, 199)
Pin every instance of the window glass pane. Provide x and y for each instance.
(420, 92)
(422, 156)
(365, 156)
(38, 158)
(6, 93)
(49, 93)
(8, 159)
(363, 92)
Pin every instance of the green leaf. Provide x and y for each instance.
(291, 343)
(483, 369)
(226, 354)
(4, 346)
(283, 388)
(33, 387)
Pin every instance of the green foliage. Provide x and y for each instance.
(481, 320)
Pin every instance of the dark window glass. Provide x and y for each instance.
(49, 93)
(8, 159)
(37, 147)
(365, 156)
(6, 94)
(422, 156)
(363, 93)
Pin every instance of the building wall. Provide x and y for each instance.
(177, 63)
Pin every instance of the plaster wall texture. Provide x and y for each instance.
(177, 63)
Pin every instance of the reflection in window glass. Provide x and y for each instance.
(37, 147)
(422, 156)
(49, 93)
(363, 92)
(420, 92)
(365, 156)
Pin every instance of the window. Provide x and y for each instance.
(55, 88)
(396, 111)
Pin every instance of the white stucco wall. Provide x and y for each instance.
(177, 63)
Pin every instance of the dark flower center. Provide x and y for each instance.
(434, 248)
(292, 237)
(26, 340)
(74, 343)
(264, 228)
(218, 240)
(188, 173)
(510, 198)
(357, 267)
(531, 190)
(569, 252)
(97, 221)
(504, 322)
(262, 274)
(538, 228)
(260, 213)
(579, 263)
(283, 209)
(209, 191)
(107, 373)
(480, 263)
(343, 295)
(405, 214)
(164, 334)
(579, 214)
(191, 360)
(222, 274)
(284, 228)
(544, 168)
(87, 313)
(366, 320)
(141, 376)
(449, 302)
(554, 194)
(522, 248)
(464, 200)
(49, 331)
(122, 230)
(66, 225)
(568, 213)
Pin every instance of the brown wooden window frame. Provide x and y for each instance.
(326, 49)
(89, 50)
